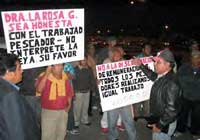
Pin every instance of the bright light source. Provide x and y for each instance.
(132, 2)
(98, 31)
(166, 27)
(166, 43)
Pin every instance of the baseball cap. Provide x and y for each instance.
(167, 55)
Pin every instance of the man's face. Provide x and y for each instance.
(147, 51)
(17, 77)
(116, 56)
(112, 43)
(57, 69)
(196, 62)
(195, 47)
(161, 66)
(83, 62)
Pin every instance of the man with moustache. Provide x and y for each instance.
(165, 96)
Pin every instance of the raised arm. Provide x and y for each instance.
(41, 81)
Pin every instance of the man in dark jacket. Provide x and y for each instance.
(17, 121)
(189, 77)
(165, 96)
(83, 84)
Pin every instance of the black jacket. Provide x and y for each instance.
(190, 82)
(84, 79)
(17, 121)
(165, 98)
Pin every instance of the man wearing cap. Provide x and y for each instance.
(165, 96)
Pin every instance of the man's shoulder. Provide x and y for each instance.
(5, 87)
(8, 94)
(170, 77)
(172, 81)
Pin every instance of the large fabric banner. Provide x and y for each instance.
(122, 83)
(45, 37)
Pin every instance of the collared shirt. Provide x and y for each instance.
(15, 86)
(161, 75)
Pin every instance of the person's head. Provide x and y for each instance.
(194, 46)
(83, 62)
(57, 69)
(146, 49)
(164, 62)
(121, 50)
(195, 59)
(91, 49)
(10, 68)
(112, 41)
(116, 56)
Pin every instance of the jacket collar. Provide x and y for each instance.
(9, 83)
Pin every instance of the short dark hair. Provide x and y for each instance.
(7, 63)
(146, 45)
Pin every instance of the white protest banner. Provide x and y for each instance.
(45, 37)
(122, 83)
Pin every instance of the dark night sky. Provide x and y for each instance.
(149, 17)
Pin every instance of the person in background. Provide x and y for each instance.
(141, 109)
(106, 52)
(146, 51)
(91, 61)
(17, 120)
(165, 96)
(183, 57)
(125, 113)
(56, 95)
(189, 78)
(104, 119)
(69, 70)
(83, 84)
(194, 47)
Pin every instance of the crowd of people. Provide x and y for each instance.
(51, 101)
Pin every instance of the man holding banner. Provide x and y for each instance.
(125, 112)
(165, 96)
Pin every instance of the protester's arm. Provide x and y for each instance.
(41, 82)
(69, 104)
(148, 72)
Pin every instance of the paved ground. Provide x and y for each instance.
(93, 132)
